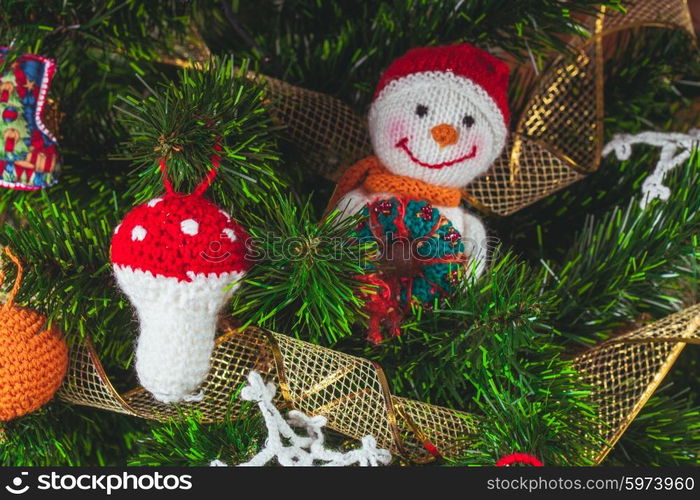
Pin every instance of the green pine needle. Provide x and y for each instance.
(189, 442)
(183, 121)
(666, 432)
(303, 279)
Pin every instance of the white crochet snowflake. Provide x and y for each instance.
(289, 448)
(675, 149)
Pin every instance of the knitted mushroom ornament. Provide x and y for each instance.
(178, 258)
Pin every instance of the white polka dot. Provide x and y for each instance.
(230, 234)
(154, 202)
(138, 233)
(116, 229)
(228, 217)
(189, 226)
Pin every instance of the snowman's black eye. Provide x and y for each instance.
(468, 121)
(421, 110)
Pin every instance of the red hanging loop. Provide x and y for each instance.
(519, 458)
(206, 182)
(215, 164)
(164, 170)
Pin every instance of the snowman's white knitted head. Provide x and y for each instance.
(440, 114)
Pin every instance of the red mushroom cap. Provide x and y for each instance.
(177, 235)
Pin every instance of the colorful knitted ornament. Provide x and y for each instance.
(33, 357)
(178, 258)
(421, 257)
(28, 151)
(438, 120)
(519, 459)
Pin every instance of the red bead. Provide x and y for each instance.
(426, 212)
(384, 207)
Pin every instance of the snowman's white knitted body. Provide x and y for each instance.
(441, 129)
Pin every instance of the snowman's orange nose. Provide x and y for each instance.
(444, 134)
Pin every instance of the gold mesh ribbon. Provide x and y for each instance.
(626, 371)
(353, 392)
(557, 139)
(328, 133)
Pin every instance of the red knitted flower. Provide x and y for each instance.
(519, 458)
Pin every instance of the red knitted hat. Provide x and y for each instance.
(464, 60)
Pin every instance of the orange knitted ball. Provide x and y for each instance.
(33, 358)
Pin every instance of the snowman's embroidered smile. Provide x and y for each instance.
(403, 144)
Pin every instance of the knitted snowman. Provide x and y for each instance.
(437, 121)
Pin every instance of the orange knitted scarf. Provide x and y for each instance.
(375, 178)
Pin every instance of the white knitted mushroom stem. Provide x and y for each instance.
(675, 149)
(177, 328)
(291, 449)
